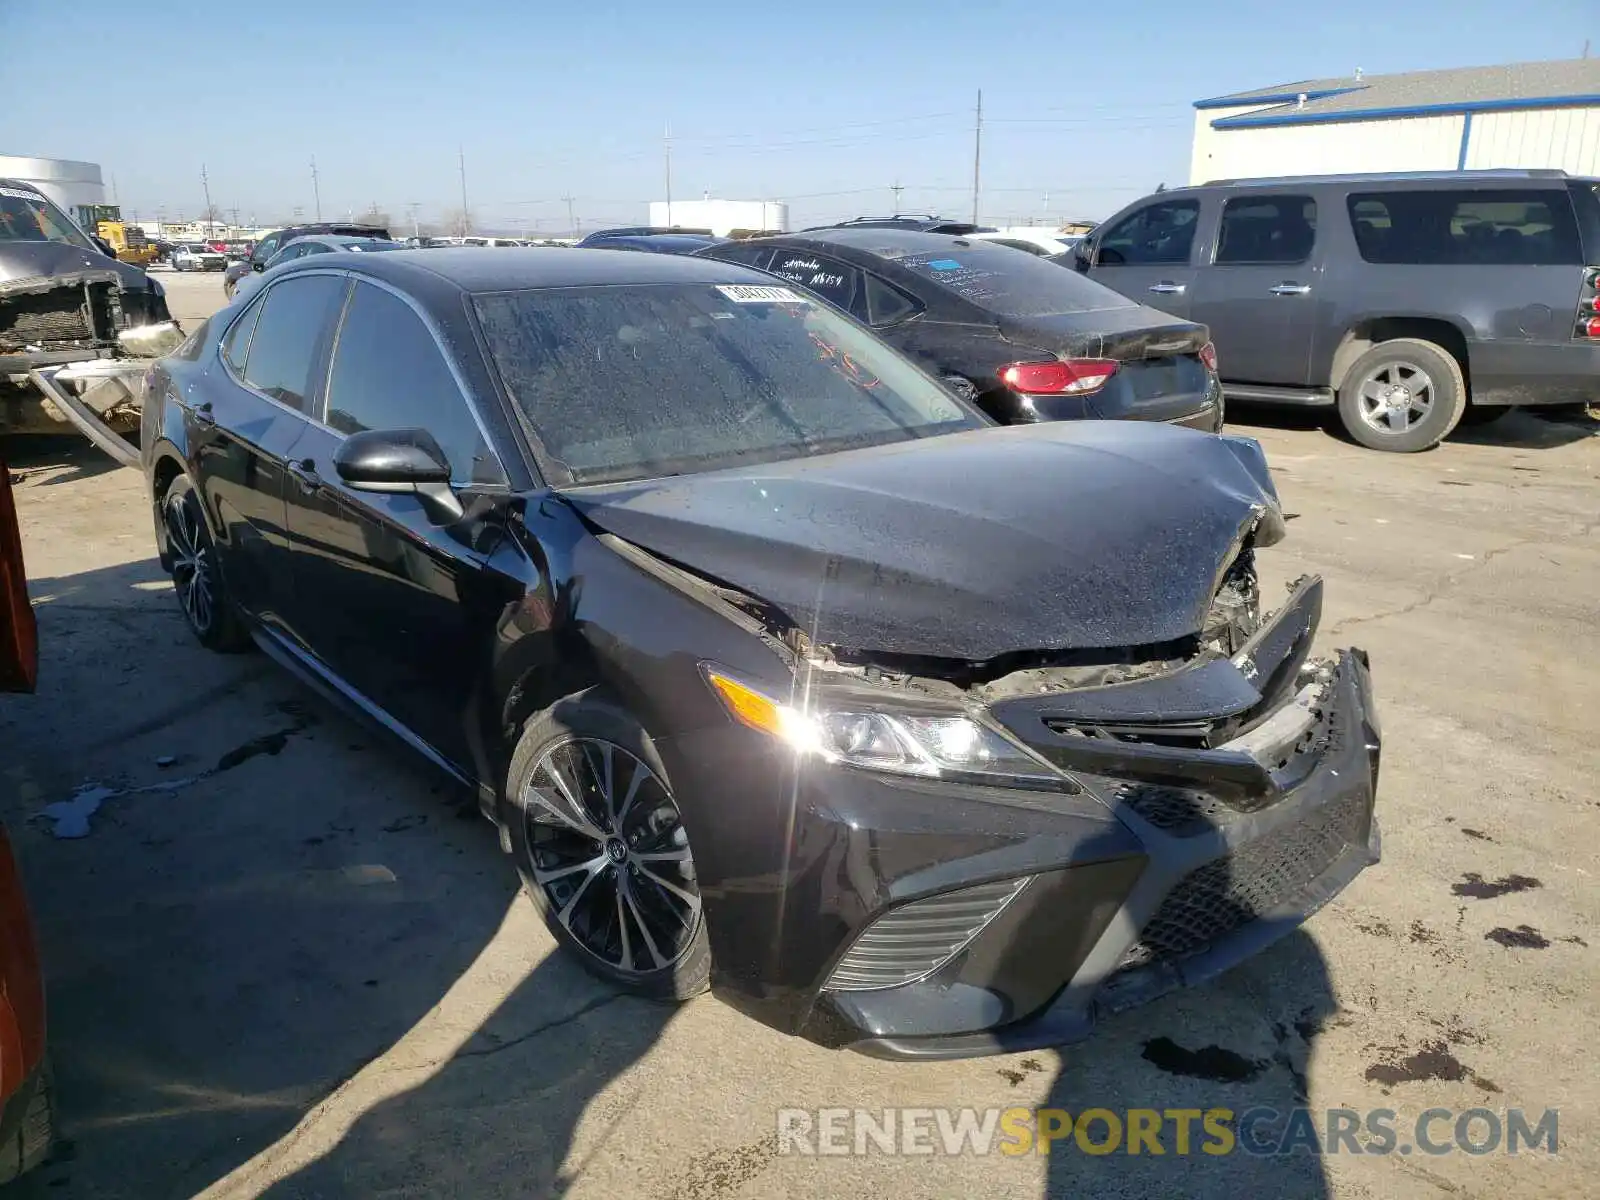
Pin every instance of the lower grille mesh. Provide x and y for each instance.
(1223, 896)
(918, 938)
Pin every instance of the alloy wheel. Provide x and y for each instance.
(193, 563)
(1395, 397)
(609, 852)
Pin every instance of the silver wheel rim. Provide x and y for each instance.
(193, 568)
(607, 847)
(1395, 398)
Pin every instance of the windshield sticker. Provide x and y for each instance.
(944, 264)
(19, 194)
(744, 293)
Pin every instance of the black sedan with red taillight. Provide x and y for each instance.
(1023, 338)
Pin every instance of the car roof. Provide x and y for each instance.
(472, 269)
(1508, 175)
(883, 242)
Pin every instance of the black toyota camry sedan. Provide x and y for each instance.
(780, 669)
(1023, 339)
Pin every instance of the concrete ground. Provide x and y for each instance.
(282, 961)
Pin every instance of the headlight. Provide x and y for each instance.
(879, 738)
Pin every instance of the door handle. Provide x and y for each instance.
(1291, 289)
(203, 415)
(1167, 288)
(305, 474)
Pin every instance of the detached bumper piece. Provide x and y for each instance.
(1242, 791)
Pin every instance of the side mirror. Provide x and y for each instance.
(400, 462)
(103, 246)
(1083, 255)
(258, 264)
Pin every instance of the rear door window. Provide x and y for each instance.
(1502, 227)
(388, 372)
(887, 304)
(236, 342)
(1267, 229)
(297, 316)
(836, 282)
(1160, 233)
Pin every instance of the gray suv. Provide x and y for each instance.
(1408, 302)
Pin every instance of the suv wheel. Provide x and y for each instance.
(1403, 395)
(602, 848)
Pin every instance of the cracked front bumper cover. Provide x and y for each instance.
(1206, 895)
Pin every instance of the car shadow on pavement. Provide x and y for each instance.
(68, 453)
(280, 952)
(1241, 1044)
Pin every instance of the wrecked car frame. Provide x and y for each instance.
(945, 740)
(76, 328)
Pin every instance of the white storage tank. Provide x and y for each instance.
(68, 183)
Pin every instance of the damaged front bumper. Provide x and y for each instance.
(1210, 811)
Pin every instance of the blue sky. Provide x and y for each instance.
(825, 104)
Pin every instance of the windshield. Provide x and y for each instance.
(999, 281)
(371, 244)
(630, 382)
(28, 217)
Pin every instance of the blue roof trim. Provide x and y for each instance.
(1260, 120)
(1275, 98)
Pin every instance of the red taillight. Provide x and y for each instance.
(1208, 355)
(1069, 377)
(1590, 327)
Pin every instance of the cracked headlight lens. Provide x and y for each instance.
(936, 747)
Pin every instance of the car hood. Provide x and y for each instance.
(33, 260)
(972, 545)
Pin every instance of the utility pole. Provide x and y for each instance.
(416, 230)
(666, 146)
(977, 155)
(316, 187)
(205, 183)
(466, 219)
(896, 188)
(572, 218)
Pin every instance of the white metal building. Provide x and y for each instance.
(66, 182)
(721, 216)
(1543, 114)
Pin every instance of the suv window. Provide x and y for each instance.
(295, 316)
(1267, 229)
(389, 373)
(834, 281)
(267, 247)
(1503, 227)
(1157, 233)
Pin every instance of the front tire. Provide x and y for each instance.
(1402, 396)
(196, 573)
(602, 851)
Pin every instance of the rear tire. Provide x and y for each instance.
(612, 875)
(197, 580)
(1402, 396)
